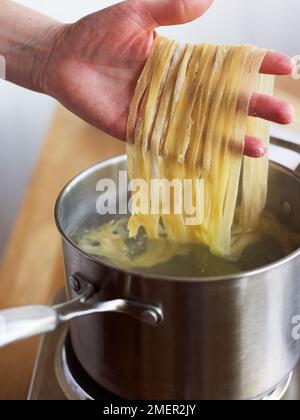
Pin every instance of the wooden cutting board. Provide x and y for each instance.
(32, 266)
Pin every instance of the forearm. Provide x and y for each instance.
(26, 41)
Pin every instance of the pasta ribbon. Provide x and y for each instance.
(188, 120)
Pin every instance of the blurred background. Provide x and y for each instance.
(25, 116)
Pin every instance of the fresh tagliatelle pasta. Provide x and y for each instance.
(188, 120)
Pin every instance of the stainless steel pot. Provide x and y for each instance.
(185, 338)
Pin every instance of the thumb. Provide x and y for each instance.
(174, 12)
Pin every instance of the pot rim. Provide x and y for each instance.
(117, 159)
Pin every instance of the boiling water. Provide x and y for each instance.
(111, 242)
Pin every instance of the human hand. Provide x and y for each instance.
(95, 64)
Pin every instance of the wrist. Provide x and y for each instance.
(27, 39)
(27, 64)
(41, 55)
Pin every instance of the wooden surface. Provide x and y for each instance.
(32, 267)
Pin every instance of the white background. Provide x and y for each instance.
(24, 116)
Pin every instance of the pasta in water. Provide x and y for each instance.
(188, 120)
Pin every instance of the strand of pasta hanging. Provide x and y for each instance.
(188, 120)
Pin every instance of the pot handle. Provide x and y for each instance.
(28, 321)
(285, 144)
(24, 322)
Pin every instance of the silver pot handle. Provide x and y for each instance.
(21, 323)
(28, 321)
